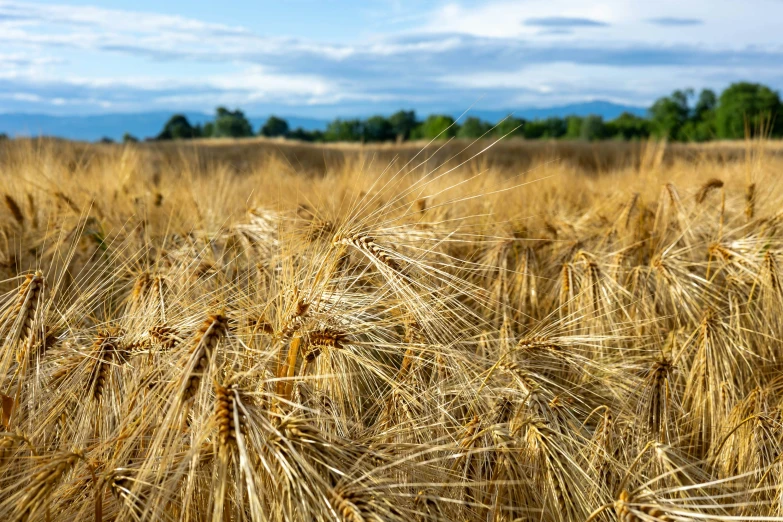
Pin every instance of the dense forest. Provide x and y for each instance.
(740, 110)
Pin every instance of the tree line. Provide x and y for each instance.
(741, 109)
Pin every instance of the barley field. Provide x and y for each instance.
(277, 332)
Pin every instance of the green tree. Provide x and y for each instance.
(510, 127)
(437, 126)
(403, 123)
(274, 127)
(705, 105)
(473, 128)
(573, 127)
(177, 128)
(129, 138)
(534, 130)
(751, 104)
(552, 127)
(344, 130)
(593, 128)
(3, 136)
(701, 125)
(300, 134)
(231, 124)
(208, 130)
(555, 127)
(669, 114)
(377, 128)
(628, 127)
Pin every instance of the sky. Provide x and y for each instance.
(340, 58)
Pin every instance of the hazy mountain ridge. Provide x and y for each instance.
(148, 124)
(608, 110)
(96, 126)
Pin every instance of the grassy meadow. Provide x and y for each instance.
(270, 331)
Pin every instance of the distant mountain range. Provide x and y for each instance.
(148, 124)
(93, 127)
(608, 110)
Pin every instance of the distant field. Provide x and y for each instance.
(274, 331)
(509, 156)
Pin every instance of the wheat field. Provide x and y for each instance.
(390, 339)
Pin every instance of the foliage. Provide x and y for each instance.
(403, 123)
(274, 127)
(550, 128)
(129, 138)
(742, 107)
(231, 124)
(706, 105)
(533, 129)
(593, 128)
(437, 126)
(377, 128)
(177, 128)
(555, 128)
(510, 127)
(573, 127)
(344, 130)
(474, 128)
(628, 127)
(701, 123)
(669, 114)
(748, 106)
(303, 135)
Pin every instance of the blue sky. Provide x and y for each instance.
(329, 58)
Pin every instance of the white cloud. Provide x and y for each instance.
(24, 96)
(714, 23)
(565, 82)
(517, 52)
(253, 84)
(134, 32)
(112, 19)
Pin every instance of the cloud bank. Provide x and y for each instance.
(71, 58)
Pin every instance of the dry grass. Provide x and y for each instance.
(215, 333)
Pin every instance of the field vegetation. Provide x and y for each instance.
(260, 332)
(741, 109)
